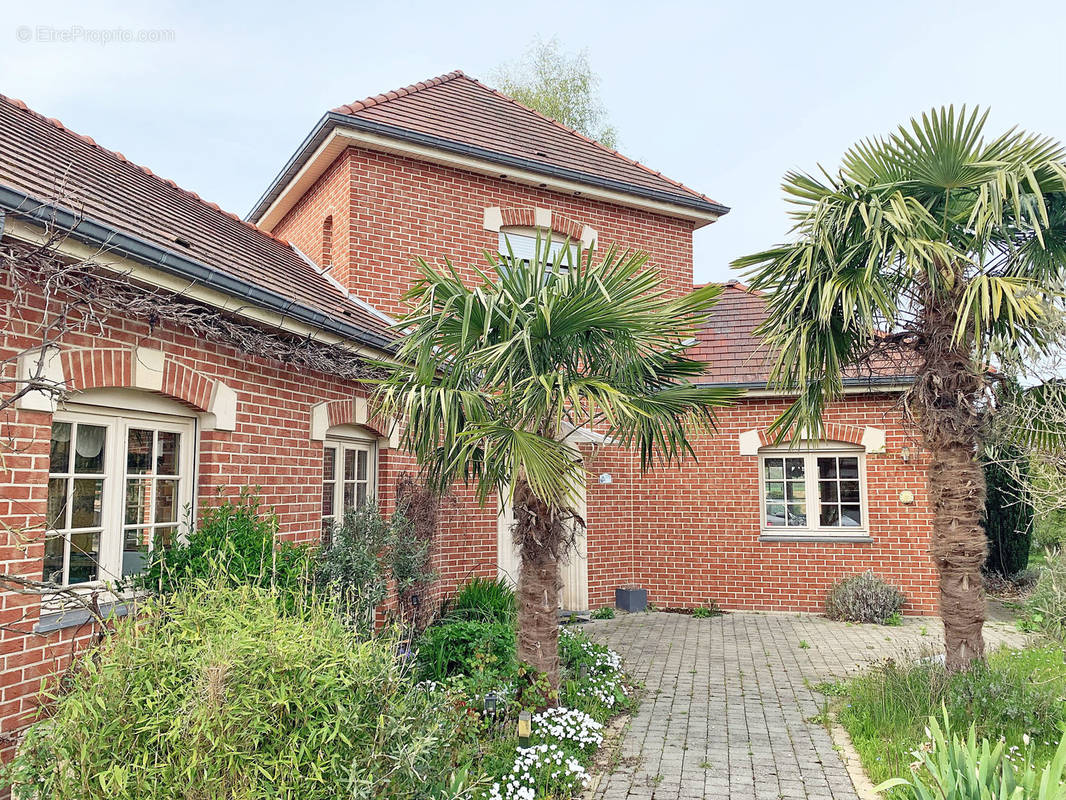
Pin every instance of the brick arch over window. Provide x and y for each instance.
(81, 370)
(353, 411)
(870, 439)
(531, 217)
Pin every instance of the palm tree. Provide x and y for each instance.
(493, 380)
(939, 248)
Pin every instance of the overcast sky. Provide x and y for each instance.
(723, 96)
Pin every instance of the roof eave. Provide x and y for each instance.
(890, 383)
(114, 241)
(333, 120)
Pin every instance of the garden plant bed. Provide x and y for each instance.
(1015, 697)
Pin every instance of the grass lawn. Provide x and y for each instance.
(1016, 692)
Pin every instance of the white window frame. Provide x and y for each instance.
(523, 243)
(117, 423)
(341, 443)
(810, 453)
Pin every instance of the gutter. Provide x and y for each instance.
(333, 119)
(140, 250)
(872, 383)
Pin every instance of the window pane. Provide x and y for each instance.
(850, 516)
(89, 451)
(166, 501)
(797, 490)
(349, 465)
(361, 473)
(775, 490)
(164, 537)
(794, 467)
(830, 515)
(797, 515)
(139, 452)
(166, 459)
(349, 496)
(775, 514)
(827, 491)
(775, 469)
(138, 501)
(827, 467)
(849, 468)
(134, 550)
(87, 498)
(84, 554)
(57, 502)
(329, 463)
(849, 491)
(360, 494)
(53, 558)
(59, 454)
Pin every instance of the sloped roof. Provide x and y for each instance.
(727, 341)
(459, 115)
(462, 109)
(735, 355)
(44, 164)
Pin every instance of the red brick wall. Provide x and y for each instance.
(695, 528)
(403, 209)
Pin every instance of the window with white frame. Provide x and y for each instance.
(814, 490)
(349, 477)
(119, 485)
(526, 244)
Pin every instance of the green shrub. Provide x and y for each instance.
(863, 598)
(483, 599)
(236, 540)
(603, 613)
(950, 767)
(1047, 604)
(216, 692)
(466, 647)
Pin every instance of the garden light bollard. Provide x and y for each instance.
(525, 728)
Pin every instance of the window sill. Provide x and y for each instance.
(75, 617)
(851, 538)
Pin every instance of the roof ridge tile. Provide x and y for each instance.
(370, 102)
(57, 124)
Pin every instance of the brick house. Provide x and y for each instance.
(160, 417)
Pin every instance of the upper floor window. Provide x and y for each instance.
(526, 244)
(821, 489)
(117, 486)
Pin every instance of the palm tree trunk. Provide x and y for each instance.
(947, 403)
(540, 535)
(959, 548)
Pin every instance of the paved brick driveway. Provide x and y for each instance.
(727, 705)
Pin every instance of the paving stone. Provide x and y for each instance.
(734, 692)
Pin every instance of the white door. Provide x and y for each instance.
(574, 567)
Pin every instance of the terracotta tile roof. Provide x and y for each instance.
(43, 159)
(734, 355)
(460, 109)
(727, 342)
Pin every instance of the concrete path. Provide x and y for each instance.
(728, 708)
